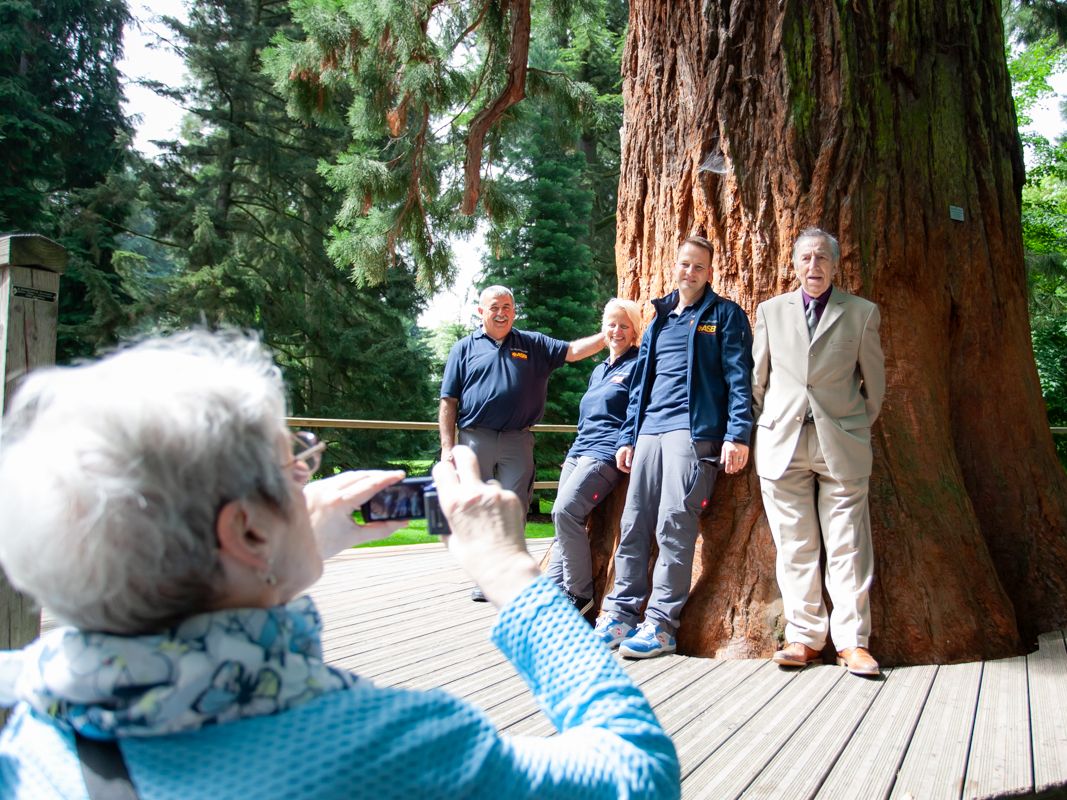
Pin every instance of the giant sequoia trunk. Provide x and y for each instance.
(883, 122)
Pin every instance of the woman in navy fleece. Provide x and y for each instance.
(589, 473)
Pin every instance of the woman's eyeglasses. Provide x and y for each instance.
(307, 449)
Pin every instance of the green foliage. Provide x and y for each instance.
(1037, 53)
(438, 343)
(591, 56)
(407, 79)
(64, 148)
(1031, 20)
(557, 252)
(555, 176)
(1031, 67)
(61, 122)
(247, 205)
(548, 264)
(1047, 274)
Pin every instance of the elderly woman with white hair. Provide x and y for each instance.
(156, 504)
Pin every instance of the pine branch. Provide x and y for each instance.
(414, 193)
(475, 24)
(139, 234)
(514, 90)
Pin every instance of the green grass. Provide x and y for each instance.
(415, 533)
(414, 466)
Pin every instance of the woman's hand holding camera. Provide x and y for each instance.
(332, 501)
(488, 537)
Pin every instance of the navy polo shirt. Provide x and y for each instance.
(668, 403)
(502, 387)
(603, 408)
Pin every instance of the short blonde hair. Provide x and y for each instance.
(633, 313)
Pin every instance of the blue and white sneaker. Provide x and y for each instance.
(611, 631)
(648, 641)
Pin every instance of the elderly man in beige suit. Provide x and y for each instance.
(817, 385)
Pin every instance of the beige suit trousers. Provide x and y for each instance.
(810, 511)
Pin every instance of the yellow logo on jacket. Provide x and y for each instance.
(519, 354)
(707, 328)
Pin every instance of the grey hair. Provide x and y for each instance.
(495, 291)
(818, 233)
(112, 475)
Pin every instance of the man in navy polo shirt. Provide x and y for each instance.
(494, 389)
(690, 414)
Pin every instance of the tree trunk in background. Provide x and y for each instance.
(748, 121)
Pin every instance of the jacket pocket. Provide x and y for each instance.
(702, 474)
(854, 422)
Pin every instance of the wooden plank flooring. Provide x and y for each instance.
(1046, 670)
(743, 728)
(402, 616)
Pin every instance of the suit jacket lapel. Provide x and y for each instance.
(796, 311)
(835, 307)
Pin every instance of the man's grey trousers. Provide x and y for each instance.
(671, 479)
(506, 456)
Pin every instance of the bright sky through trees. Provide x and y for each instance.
(146, 57)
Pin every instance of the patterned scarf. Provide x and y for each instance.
(211, 668)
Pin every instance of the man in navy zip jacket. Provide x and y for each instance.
(690, 415)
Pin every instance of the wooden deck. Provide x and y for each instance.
(744, 729)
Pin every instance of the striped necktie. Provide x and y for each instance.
(812, 317)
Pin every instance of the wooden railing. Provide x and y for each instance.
(392, 425)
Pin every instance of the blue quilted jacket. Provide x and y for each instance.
(375, 742)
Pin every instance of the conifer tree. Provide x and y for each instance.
(1036, 50)
(557, 251)
(546, 260)
(64, 150)
(242, 199)
(426, 89)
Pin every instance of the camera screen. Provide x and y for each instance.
(400, 501)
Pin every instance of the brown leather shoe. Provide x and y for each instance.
(795, 655)
(858, 661)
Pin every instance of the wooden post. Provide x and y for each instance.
(30, 266)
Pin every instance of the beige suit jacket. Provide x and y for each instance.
(839, 374)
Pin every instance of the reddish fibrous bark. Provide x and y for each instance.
(869, 120)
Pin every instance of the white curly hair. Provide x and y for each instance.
(112, 474)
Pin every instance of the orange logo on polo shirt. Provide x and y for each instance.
(519, 354)
(707, 328)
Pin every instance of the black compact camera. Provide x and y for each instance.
(412, 498)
